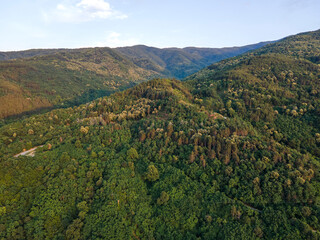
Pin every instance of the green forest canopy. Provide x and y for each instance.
(232, 153)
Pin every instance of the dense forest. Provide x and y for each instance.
(39, 79)
(181, 62)
(232, 152)
(65, 78)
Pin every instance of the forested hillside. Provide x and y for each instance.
(9, 55)
(68, 78)
(181, 62)
(230, 153)
(173, 62)
(47, 78)
(278, 86)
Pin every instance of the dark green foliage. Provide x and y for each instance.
(230, 154)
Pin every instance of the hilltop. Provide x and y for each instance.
(281, 77)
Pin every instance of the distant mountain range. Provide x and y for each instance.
(181, 62)
(173, 62)
(42, 78)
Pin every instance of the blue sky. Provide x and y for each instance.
(26, 24)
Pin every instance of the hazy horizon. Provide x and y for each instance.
(172, 47)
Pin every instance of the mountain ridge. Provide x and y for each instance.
(192, 59)
(47, 78)
(15, 54)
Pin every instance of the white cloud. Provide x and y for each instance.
(83, 11)
(115, 39)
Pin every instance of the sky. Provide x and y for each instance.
(29, 24)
